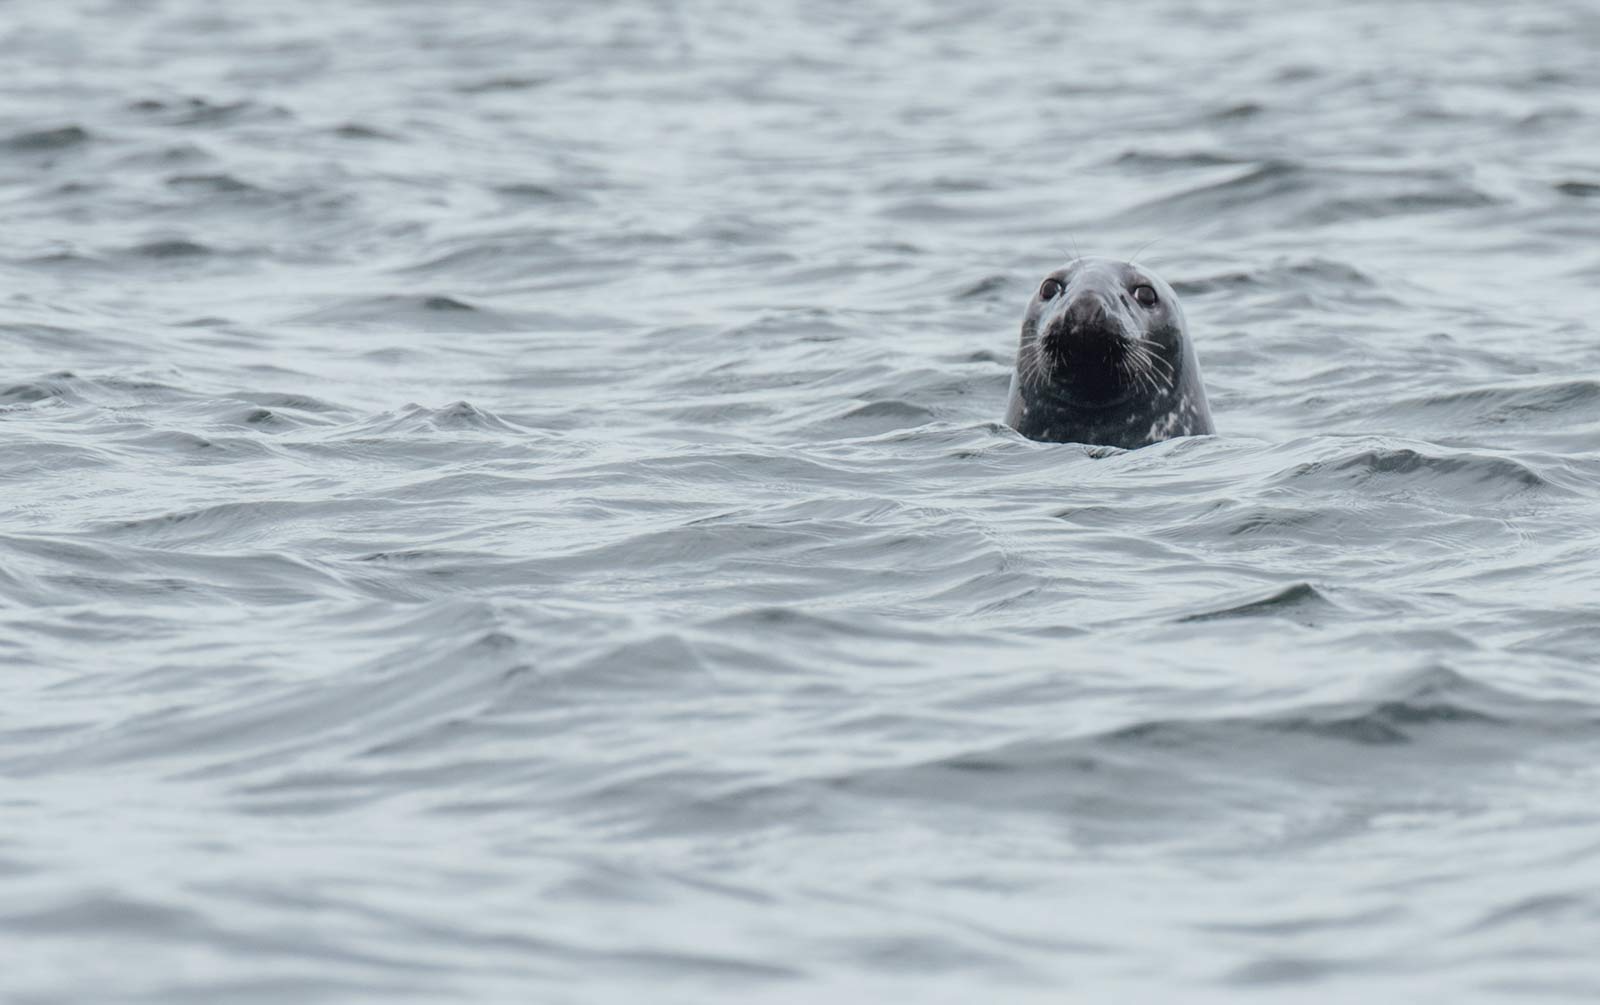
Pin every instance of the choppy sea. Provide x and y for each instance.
(508, 503)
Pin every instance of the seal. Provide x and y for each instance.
(1106, 359)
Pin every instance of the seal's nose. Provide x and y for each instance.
(1087, 313)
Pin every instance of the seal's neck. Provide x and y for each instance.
(1043, 413)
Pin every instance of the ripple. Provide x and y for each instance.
(1302, 603)
(1462, 475)
(203, 111)
(1293, 194)
(490, 85)
(1560, 401)
(46, 140)
(428, 312)
(459, 415)
(213, 184)
(175, 247)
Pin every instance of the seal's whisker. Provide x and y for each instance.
(1134, 257)
(1146, 348)
(1148, 375)
(1135, 367)
(1145, 381)
(1033, 360)
(1156, 373)
(1158, 380)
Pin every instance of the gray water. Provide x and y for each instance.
(508, 503)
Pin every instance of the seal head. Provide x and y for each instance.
(1106, 358)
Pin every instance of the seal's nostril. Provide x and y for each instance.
(1086, 313)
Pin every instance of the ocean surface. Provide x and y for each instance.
(508, 503)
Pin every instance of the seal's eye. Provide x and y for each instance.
(1146, 295)
(1050, 289)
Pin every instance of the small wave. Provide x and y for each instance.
(1297, 523)
(46, 140)
(108, 915)
(1562, 401)
(1460, 474)
(1292, 194)
(533, 192)
(989, 288)
(1437, 697)
(1257, 185)
(396, 698)
(294, 401)
(860, 639)
(780, 327)
(106, 389)
(168, 248)
(210, 522)
(937, 184)
(64, 261)
(213, 184)
(1403, 710)
(1428, 200)
(984, 356)
(491, 85)
(883, 416)
(1580, 189)
(194, 448)
(200, 111)
(456, 416)
(1176, 769)
(425, 312)
(1317, 274)
(1237, 111)
(264, 418)
(360, 131)
(62, 385)
(1540, 910)
(1302, 603)
(1286, 970)
(486, 257)
(932, 210)
(1173, 161)
(1550, 120)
